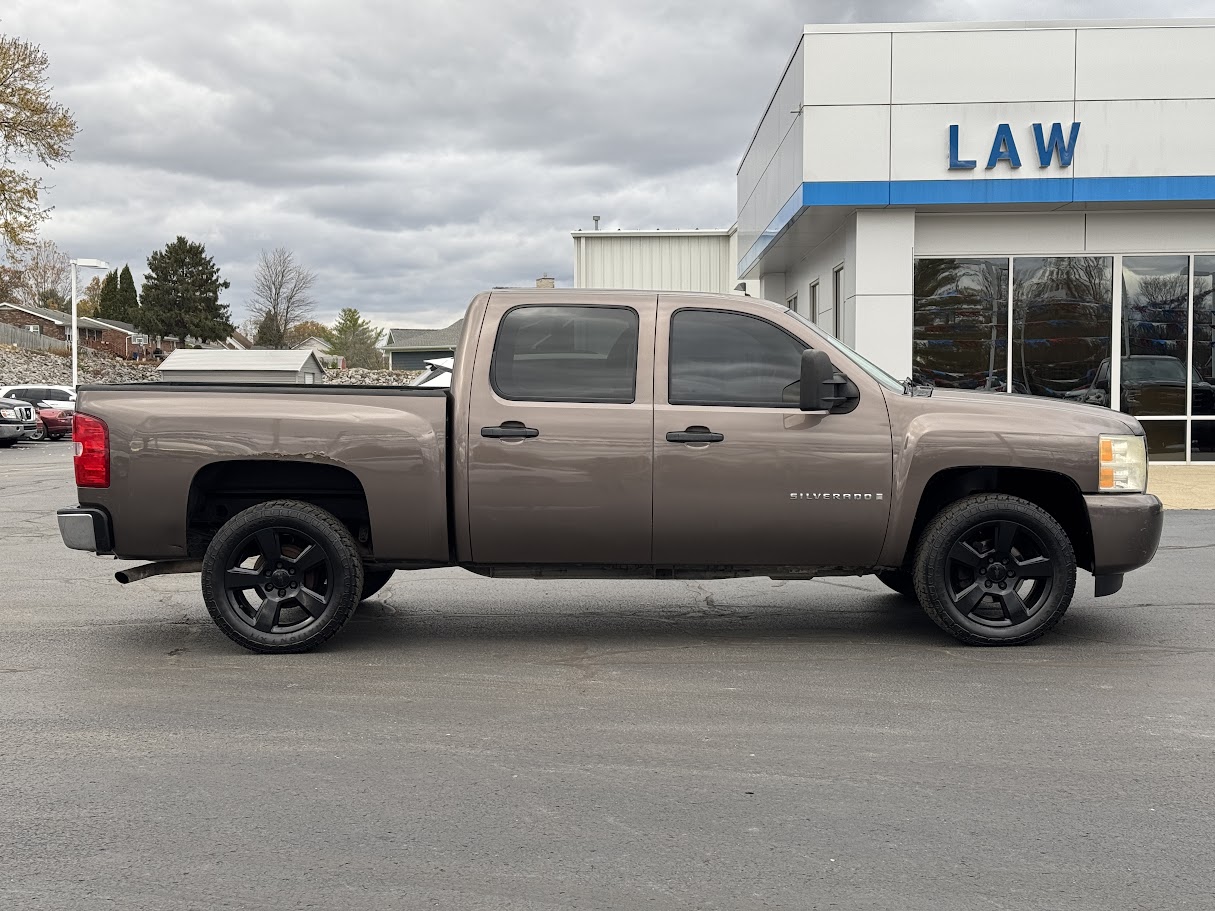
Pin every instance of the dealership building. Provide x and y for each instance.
(995, 206)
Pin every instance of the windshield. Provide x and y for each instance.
(1153, 370)
(872, 369)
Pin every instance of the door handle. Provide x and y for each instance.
(694, 434)
(510, 430)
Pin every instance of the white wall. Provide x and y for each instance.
(661, 261)
(879, 100)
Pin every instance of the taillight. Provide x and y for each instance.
(92, 460)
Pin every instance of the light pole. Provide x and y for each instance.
(81, 264)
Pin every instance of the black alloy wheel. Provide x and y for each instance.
(995, 570)
(282, 576)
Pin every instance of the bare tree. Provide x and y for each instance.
(282, 297)
(44, 276)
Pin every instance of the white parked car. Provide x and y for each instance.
(60, 397)
(437, 374)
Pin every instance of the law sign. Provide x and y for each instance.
(1004, 147)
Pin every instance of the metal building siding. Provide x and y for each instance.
(671, 262)
(238, 376)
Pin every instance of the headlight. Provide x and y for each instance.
(1123, 463)
(8, 414)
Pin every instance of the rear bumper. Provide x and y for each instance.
(85, 528)
(1126, 531)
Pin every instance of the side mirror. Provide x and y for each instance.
(821, 388)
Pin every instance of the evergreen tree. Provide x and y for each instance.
(181, 295)
(128, 297)
(354, 338)
(107, 300)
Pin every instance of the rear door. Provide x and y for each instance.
(560, 436)
(743, 478)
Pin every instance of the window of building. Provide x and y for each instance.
(813, 303)
(566, 354)
(1062, 319)
(960, 335)
(35, 328)
(837, 301)
(791, 302)
(722, 358)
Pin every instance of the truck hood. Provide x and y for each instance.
(1003, 411)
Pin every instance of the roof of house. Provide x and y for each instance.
(226, 359)
(312, 341)
(128, 328)
(58, 317)
(404, 339)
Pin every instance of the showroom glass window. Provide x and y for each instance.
(1062, 323)
(1202, 347)
(960, 335)
(566, 354)
(1155, 348)
(723, 358)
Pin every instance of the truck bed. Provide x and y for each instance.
(179, 450)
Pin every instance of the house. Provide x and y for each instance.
(134, 342)
(218, 365)
(409, 349)
(94, 333)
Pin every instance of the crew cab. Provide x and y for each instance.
(615, 434)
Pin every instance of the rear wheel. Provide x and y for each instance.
(992, 569)
(282, 576)
(373, 581)
(56, 437)
(899, 580)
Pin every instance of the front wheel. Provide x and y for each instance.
(39, 434)
(282, 576)
(993, 569)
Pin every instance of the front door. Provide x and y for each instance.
(560, 460)
(742, 477)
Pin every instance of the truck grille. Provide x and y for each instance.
(25, 413)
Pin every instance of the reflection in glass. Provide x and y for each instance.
(961, 323)
(1062, 319)
(1202, 441)
(1155, 314)
(1166, 440)
(1203, 345)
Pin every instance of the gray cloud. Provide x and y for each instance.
(413, 154)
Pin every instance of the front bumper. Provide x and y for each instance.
(16, 431)
(85, 528)
(1126, 531)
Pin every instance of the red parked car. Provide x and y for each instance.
(53, 424)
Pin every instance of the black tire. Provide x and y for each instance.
(38, 435)
(304, 598)
(993, 569)
(56, 437)
(5, 444)
(373, 581)
(899, 580)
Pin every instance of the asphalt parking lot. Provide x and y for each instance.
(473, 744)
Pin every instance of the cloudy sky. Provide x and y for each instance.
(413, 153)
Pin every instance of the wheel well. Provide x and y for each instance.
(1055, 493)
(221, 490)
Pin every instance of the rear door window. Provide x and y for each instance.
(566, 354)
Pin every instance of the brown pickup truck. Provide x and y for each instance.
(615, 434)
